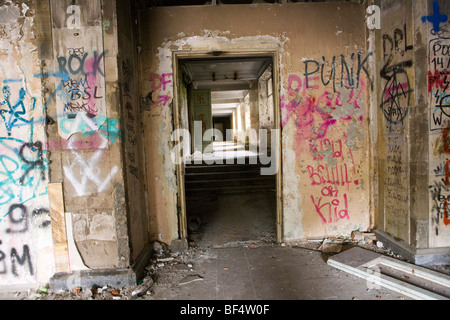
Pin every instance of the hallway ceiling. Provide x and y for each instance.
(228, 78)
(225, 74)
(164, 3)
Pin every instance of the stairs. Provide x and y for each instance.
(227, 178)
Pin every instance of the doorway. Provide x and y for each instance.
(230, 177)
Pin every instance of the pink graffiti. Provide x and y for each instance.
(337, 175)
(304, 108)
(330, 208)
(160, 81)
(92, 142)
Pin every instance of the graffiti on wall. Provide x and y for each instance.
(23, 177)
(160, 91)
(397, 95)
(81, 91)
(324, 104)
(439, 103)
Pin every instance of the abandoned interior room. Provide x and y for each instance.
(219, 140)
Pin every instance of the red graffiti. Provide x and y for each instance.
(438, 80)
(445, 141)
(336, 175)
(330, 207)
(446, 220)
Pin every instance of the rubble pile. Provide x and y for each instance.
(164, 269)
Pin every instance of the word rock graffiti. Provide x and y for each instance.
(81, 91)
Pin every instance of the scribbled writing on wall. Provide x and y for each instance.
(23, 176)
(324, 104)
(14, 113)
(438, 83)
(159, 96)
(396, 96)
(23, 181)
(86, 173)
(335, 172)
(82, 87)
(440, 186)
(439, 118)
(343, 101)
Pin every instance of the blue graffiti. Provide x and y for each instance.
(13, 115)
(18, 163)
(437, 18)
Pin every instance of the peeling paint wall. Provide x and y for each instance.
(62, 194)
(131, 122)
(85, 136)
(323, 88)
(395, 67)
(413, 123)
(26, 247)
(437, 36)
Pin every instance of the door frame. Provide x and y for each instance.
(181, 198)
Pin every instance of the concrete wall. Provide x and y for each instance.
(413, 124)
(131, 122)
(26, 248)
(86, 151)
(396, 89)
(438, 39)
(324, 119)
(62, 196)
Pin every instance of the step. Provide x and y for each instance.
(201, 176)
(223, 168)
(230, 189)
(229, 182)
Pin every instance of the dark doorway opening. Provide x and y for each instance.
(230, 102)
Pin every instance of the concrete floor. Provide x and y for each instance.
(267, 273)
(234, 257)
(233, 219)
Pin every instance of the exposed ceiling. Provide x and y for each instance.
(161, 3)
(228, 78)
(224, 74)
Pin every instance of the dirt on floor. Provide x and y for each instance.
(167, 271)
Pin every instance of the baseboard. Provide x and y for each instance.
(421, 257)
(115, 278)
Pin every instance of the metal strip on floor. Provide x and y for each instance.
(410, 280)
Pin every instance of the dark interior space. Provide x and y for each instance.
(228, 202)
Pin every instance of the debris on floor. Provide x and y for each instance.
(190, 278)
(367, 237)
(168, 272)
(333, 245)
